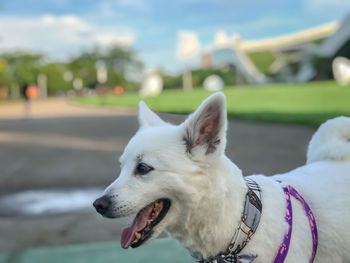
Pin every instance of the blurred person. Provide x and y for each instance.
(29, 92)
(24, 93)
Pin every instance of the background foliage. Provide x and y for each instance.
(20, 68)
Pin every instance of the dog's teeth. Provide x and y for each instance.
(138, 235)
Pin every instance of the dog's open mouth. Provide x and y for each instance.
(144, 222)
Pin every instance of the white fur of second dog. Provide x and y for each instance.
(207, 190)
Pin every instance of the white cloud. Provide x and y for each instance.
(187, 44)
(58, 35)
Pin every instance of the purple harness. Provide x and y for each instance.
(250, 220)
(283, 250)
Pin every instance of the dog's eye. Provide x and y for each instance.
(143, 169)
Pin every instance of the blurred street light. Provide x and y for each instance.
(77, 83)
(101, 70)
(68, 76)
(42, 85)
(187, 47)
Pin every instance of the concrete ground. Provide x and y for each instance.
(159, 251)
(64, 145)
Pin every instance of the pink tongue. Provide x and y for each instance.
(139, 223)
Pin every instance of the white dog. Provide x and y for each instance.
(177, 178)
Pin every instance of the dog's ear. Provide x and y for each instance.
(205, 130)
(148, 118)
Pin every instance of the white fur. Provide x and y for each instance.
(207, 190)
(331, 141)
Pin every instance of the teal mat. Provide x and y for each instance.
(160, 250)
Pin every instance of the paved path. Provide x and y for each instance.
(65, 145)
(57, 107)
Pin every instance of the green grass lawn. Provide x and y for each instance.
(309, 104)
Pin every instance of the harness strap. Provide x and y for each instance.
(312, 221)
(283, 250)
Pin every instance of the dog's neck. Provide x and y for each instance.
(208, 224)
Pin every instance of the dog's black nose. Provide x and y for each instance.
(102, 204)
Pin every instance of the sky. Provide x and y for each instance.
(154, 28)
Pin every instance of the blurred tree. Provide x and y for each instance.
(84, 67)
(54, 73)
(226, 73)
(172, 82)
(117, 61)
(121, 59)
(198, 77)
(21, 68)
(5, 77)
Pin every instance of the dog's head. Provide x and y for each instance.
(164, 170)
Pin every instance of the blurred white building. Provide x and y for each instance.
(296, 57)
